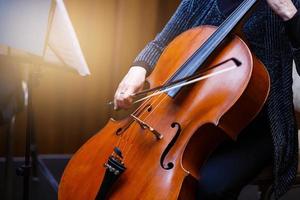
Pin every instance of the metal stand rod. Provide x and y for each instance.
(37, 163)
(26, 168)
(32, 161)
(8, 188)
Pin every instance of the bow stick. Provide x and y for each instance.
(184, 81)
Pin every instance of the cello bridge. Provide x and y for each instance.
(144, 125)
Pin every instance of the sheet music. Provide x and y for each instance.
(63, 45)
(63, 48)
(23, 24)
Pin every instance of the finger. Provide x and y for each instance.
(124, 99)
(116, 101)
(121, 100)
(124, 94)
(127, 99)
(117, 96)
(128, 94)
(127, 102)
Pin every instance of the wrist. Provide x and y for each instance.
(144, 65)
(283, 8)
(138, 69)
(288, 13)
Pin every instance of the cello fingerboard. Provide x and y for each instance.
(211, 44)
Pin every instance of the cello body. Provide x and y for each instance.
(190, 127)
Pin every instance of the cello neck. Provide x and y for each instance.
(212, 43)
(232, 21)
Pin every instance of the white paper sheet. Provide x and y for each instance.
(63, 45)
(23, 24)
(29, 34)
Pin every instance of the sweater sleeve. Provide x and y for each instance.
(179, 22)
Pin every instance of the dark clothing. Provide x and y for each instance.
(228, 6)
(269, 41)
(234, 164)
(292, 26)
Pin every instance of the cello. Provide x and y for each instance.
(208, 87)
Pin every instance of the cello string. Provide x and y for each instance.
(240, 7)
(131, 120)
(186, 83)
(140, 114)
(188, 71)
(130, 138)
(159, 91)
(218, 72)
(227, 69)
(122, 137)
(158, 101)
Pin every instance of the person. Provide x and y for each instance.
(272, 31)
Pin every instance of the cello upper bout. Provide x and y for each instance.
(177, 52)
(250, 103)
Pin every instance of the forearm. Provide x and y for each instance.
(283, 8)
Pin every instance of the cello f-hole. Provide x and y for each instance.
(170, 165)
(119, 131)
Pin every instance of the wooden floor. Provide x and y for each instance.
(41, 190)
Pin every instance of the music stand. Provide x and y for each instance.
(47, 33)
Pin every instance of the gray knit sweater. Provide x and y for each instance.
(266, 34)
